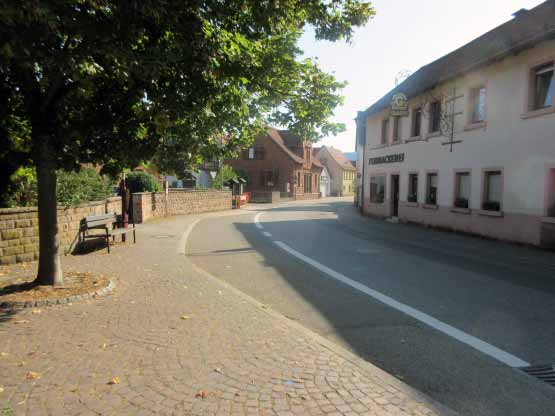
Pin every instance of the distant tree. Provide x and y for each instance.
(110, 82)
(227, 173)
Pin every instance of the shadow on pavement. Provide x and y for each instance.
(378, 334)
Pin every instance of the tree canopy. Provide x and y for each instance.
(113, 82)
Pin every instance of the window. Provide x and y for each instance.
(250, 153)
(259, 153)
(462, 189)
(269, 178)
(478, 104)
(377, 189)
(435, 117)
(431, 189)
(396, 129)
(299, 179)
(416, 122)
(307, 183)
(543, 91)
(385, 131)
(413, 188)
(492, 190)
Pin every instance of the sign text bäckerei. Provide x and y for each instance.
(397, 158)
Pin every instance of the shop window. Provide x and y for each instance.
(462, 190)
(413, 188)
(377, 189)
(493, 185)
(431, 189)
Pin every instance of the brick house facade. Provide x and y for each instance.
(280, 161)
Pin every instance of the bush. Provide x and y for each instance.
(22, 189)
(142, 182)
(228, 174)
(74, 188)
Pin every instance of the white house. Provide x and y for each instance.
(476, 151)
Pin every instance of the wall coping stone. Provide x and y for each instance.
(19, 210)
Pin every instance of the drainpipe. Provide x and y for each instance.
(358, 130)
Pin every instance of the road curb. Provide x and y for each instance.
(361, 364)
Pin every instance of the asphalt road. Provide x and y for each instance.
(501, 294)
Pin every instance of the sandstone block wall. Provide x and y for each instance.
(19, 228)
(148, 205)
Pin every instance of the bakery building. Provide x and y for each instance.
(473, 149)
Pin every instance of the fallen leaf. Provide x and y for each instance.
(1, 389)
(201, 394)
(264, 306)
(37, 311)
(185, 317)
(21, 321)
(32, 375)
(115, 380)
(4, 354)
(104, 346)
(218, 370)
(22, 363)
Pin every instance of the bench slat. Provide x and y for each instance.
(119, 231)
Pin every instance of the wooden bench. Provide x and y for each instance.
(105, 223)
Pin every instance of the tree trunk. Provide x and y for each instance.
(50, 269)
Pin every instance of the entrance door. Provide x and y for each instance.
(395, 195)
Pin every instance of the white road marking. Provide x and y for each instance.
(257, 221)
(266, 233)
(183, 240)
(447, 329)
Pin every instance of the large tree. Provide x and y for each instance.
(112, 82)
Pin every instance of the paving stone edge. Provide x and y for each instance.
(58, 301)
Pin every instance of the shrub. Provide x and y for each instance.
(22, 189)
(74, 188)
(142, 182)
(228, 174)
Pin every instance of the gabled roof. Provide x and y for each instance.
(338, 156)
(277, 137)
(528, 28)
(286, 139)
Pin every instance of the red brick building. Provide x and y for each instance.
(280, 161)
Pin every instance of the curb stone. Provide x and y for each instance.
(58, 301)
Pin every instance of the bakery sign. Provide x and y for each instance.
(380, 160)
(399, 105)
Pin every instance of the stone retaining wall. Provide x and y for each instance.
(148, 205)
(19, 228)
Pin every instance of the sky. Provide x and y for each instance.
(403, 35)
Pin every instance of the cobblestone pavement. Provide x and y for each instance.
(176, 341)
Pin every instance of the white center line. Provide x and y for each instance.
(257, 221)
(447, 329)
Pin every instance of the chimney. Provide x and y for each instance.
(520, 13)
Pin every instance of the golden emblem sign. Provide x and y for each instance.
(399, 105)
